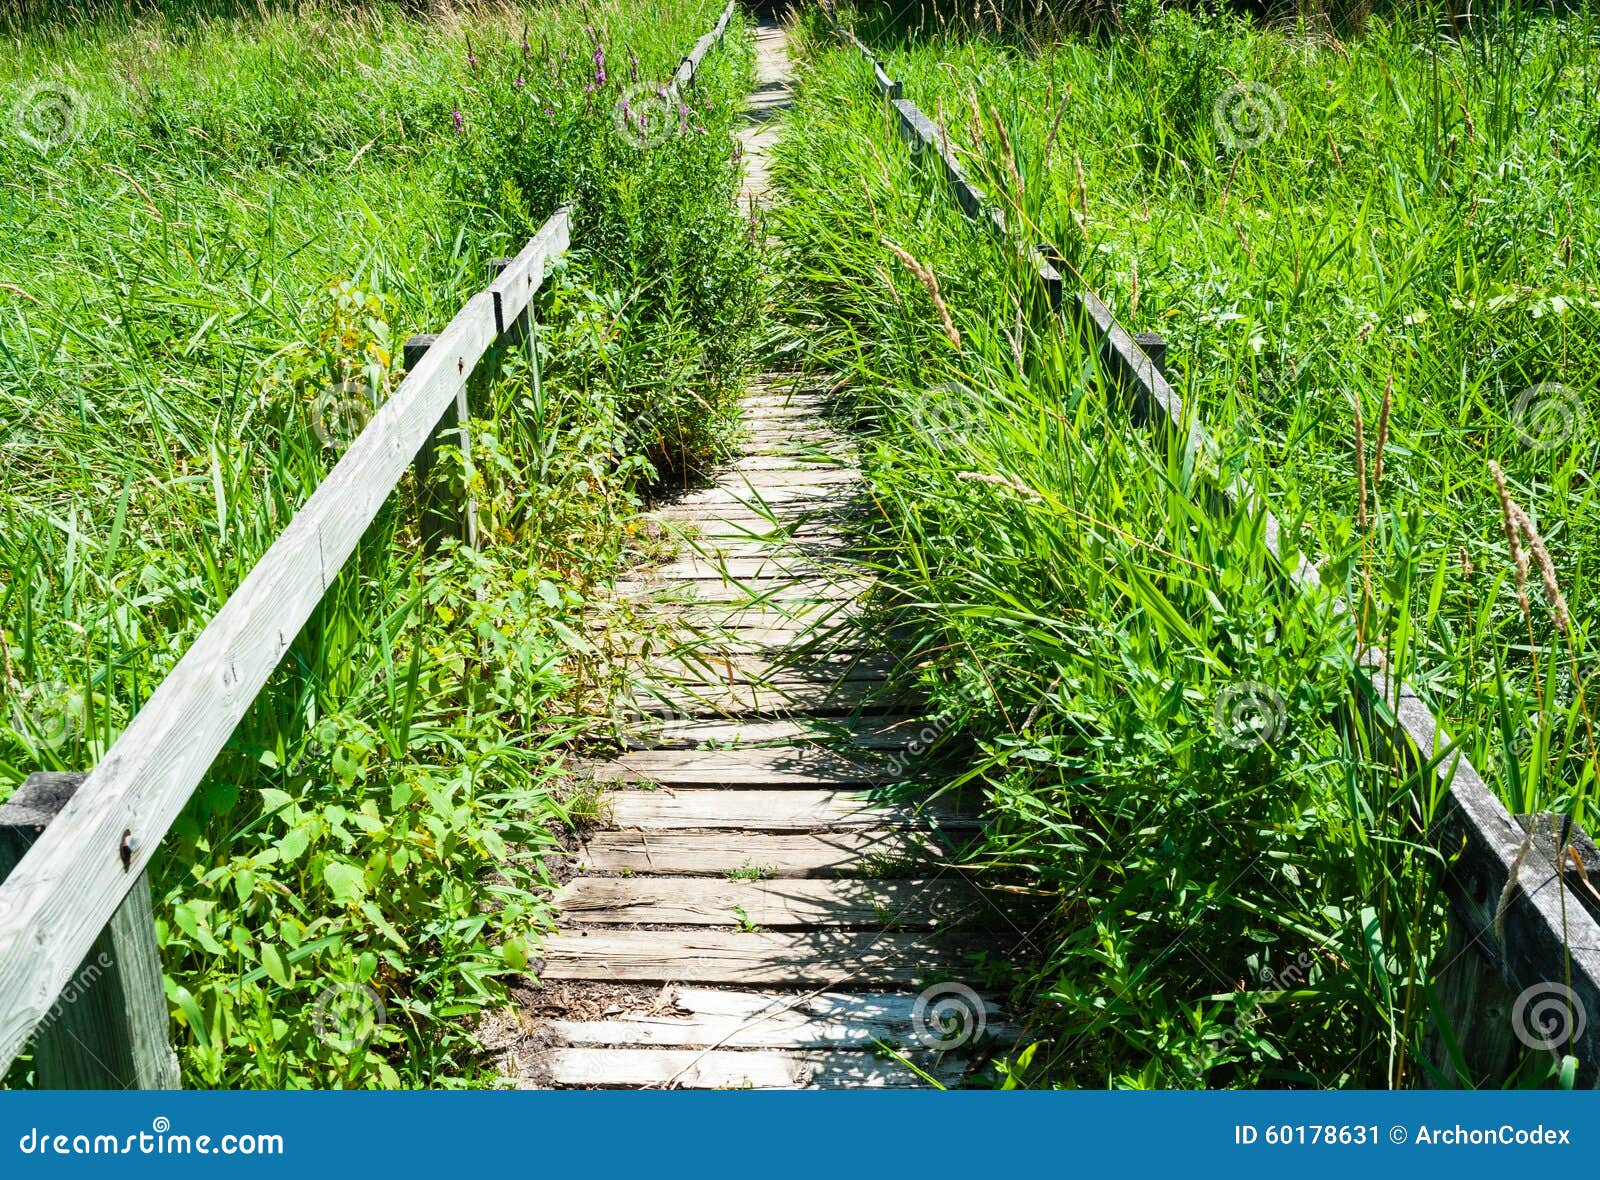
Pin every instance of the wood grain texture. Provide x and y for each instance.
(58, 899)
(725, 1069)
(813, 959)
(880, 904)
(762, 765)
(1545, 940)
(867, 734)
(791, 810)
(714, 1018)
(709, 853)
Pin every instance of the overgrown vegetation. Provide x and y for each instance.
(221, 225)
(1244, 898)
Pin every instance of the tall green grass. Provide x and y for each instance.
(256, 204)
(1313, 223)
(1243, 895)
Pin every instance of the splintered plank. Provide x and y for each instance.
(807, 765)
(817, 854)
(794, 810)
(727, 1069)
(775, 563)
(822, 479)
(820, 460)
(750, 1020)
(752, 591)
(781, 904)
(742, 493)
(777, 698)
(829, 618)
(890, 734)
(704, 661)
(804, 958)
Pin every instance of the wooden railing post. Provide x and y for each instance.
(108, 1029)
(441, 519)
(1154, 346)
(517, 330)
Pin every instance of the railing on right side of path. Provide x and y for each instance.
(1517, 885)
(79, 969)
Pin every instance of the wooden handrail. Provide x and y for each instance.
(64, 891)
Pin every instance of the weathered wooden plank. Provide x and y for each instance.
(745, 519)
(1153, 399)
(753, 1020)
(875, 903)
(725, 1069)
(65, 890)
(754, 463)
(820, 622)
(763, 484)
(759, 500)
(703, 648)
(758, 765)
(829, 587)
(737, 809)
(887, 1007)
(780, 699)
(805, 958)
(866, 734)
(833, 854)
(772, 564)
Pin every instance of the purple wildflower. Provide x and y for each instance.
(457, 121)
(599, 65)
(519, 83)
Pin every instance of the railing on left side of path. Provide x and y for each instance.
(79, 970)
(78, 960)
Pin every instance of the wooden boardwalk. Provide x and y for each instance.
(756, 913)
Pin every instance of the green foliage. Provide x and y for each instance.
(205, 288)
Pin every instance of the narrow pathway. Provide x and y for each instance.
(756, 912)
